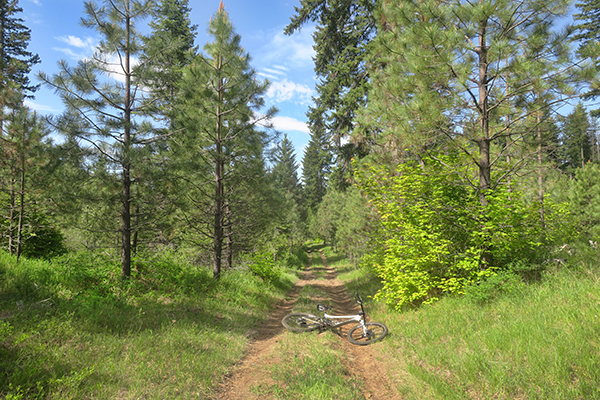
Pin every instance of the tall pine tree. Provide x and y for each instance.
(15, 60)
(344, 31)
(107, 94)
(221, 145)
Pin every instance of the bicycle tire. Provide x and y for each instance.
(296, 322)
(375, 332)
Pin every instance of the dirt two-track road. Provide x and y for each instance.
(254, 369)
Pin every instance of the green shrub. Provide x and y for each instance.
(262, 265)
(436, 232)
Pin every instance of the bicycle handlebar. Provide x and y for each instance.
(358, 298)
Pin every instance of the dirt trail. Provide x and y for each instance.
(254, 367)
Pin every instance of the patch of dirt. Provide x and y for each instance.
(364, 362)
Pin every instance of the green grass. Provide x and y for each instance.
(314, 367)
(540, 343)
(73, 330)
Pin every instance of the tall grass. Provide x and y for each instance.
(541, 342)
(72, 329)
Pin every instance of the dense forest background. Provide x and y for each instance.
(451, 143)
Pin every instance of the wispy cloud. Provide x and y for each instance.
(87, 43)
(268, 76)
(40, 107)
(283, 52)
(277, 71)
(84, 48)
(286, 124)
(286, 90)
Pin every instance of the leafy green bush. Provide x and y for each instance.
(438, 237)
(262, 265)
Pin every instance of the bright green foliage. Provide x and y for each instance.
(436, 231)
(264, 266)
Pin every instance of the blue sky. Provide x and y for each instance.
(285, 60)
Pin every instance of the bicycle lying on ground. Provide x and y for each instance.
(362, 334)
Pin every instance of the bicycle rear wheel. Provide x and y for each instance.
(301, 322)
(375, 332)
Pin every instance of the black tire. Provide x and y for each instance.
(300, 322)
(375, 332)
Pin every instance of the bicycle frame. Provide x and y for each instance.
(348, 319)
(361, 317)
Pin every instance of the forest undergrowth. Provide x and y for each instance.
(71, 329)
(537, 341)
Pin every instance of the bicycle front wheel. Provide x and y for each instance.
(375, 331)
(301, 322)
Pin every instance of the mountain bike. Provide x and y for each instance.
(362, 334)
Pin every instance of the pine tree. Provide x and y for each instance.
(344, 31)
(24, 159)
(576, 139)
(588, 36)
(316, 165)
(285, 169)
(285, 181)
(106, 93)
(15, 60)
(465, 77)
(167, 50)
(218, 107)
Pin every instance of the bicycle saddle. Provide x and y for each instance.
(321, 307)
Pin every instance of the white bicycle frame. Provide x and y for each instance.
(347, 319)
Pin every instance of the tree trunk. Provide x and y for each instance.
(11, 218)
(21, 207)
(218, 210)
(126, 165)
(484, 141)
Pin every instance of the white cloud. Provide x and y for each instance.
(268, 76)
(281, 68)
(40, 107)
(85, 47)
(279, 71)
(87, 43)
(283, 52)
(286, 124)
(286, 90)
